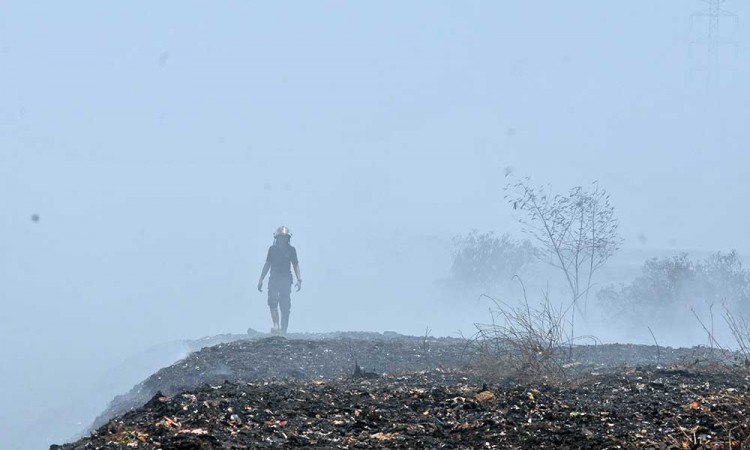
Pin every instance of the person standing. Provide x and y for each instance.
(281, 258)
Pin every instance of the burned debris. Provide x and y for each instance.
(607, 403)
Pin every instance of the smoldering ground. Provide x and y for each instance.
(159, 147)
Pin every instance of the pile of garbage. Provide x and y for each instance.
(301, 357)
(393, 391)
(443, 409)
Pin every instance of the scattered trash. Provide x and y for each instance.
(380, 436)
(195, 431)
(635, 407)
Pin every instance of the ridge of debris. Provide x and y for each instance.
(394, 391)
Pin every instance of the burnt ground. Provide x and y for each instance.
(418, 392)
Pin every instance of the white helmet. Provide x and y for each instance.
(282, 231)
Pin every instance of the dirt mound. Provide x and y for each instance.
(639, 409)
(389, 391)
(303, 357)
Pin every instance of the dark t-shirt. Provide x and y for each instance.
(281, 258)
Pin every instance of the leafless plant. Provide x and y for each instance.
(717, 354)
(709, 331)
(577, 232)
(740, 329)
(658, 349)
(425, 339)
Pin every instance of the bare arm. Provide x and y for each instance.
(299, 278)
(263, 274)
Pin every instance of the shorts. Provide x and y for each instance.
(279, 294)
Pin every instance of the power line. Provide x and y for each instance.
(712, 17)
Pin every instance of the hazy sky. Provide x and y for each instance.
(160, 143)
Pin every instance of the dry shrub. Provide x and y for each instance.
(523, 341)
(718, 356)
(740, 329)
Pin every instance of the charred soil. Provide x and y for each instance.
(407, 392)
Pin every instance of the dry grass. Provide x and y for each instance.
(523, 340)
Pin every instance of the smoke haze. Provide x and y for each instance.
(148, 150)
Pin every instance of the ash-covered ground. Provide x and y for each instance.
(371, 390)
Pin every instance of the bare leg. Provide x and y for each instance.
(284, 319)
(273, 305)
(285, 304)
(275, 316)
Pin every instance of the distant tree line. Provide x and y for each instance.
(485, 260)
(677, 283)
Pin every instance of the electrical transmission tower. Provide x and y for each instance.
(712, 39)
